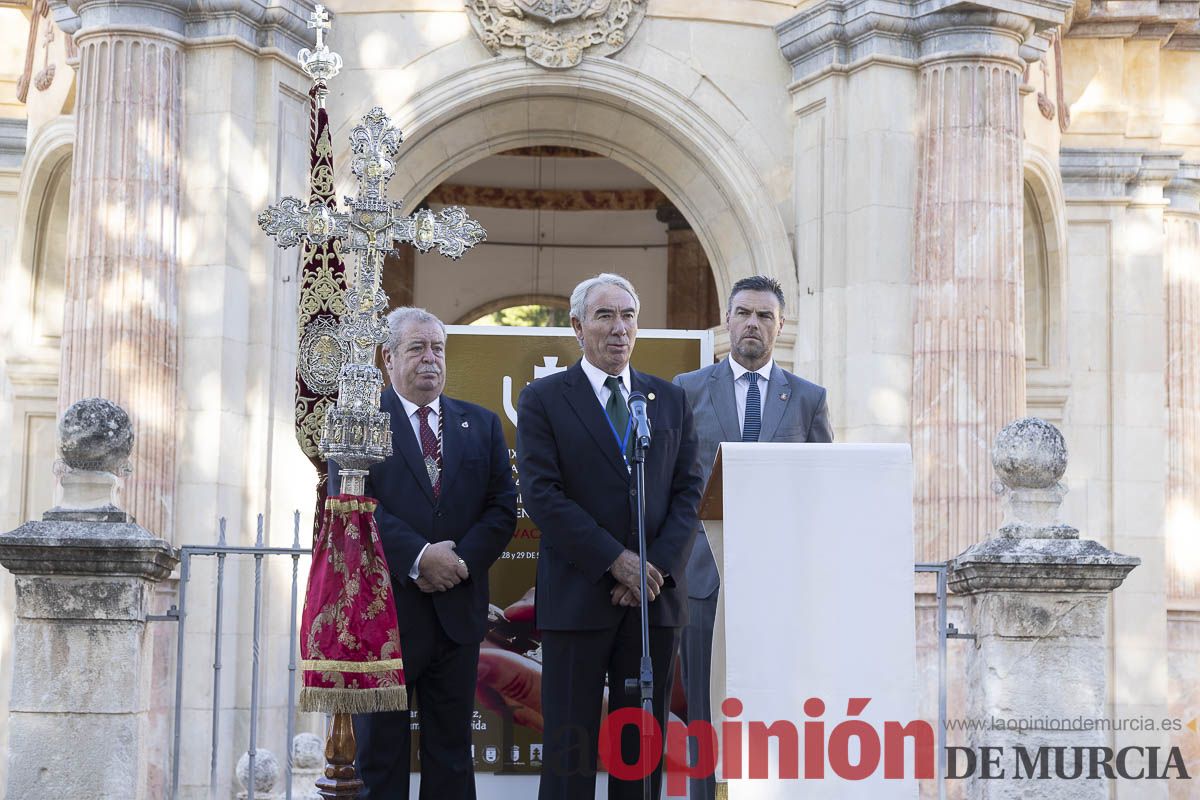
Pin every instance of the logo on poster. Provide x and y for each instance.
(549, 366)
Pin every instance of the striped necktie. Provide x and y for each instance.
(753, 423)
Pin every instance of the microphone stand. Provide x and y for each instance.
(644, 683)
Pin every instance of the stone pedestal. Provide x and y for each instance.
(78, 715)
(85, 576)
(1037, 602)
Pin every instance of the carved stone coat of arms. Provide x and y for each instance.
(556, 33)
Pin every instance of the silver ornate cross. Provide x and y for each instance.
(319, 19)
(356, 433)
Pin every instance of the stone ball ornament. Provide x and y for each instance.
(95, 434)
(266, 771)
(308, 751)
(1029, 453)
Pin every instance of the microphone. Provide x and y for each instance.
(637, 410)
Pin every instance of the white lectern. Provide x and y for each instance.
(817, 584)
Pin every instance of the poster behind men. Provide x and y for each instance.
(490, 366)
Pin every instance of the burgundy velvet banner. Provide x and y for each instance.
(320, 352)
(349, 636)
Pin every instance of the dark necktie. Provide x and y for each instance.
(618, 412)
(431, 451)
(753, 422)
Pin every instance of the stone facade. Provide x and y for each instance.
(875, 156)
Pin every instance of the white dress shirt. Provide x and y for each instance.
(596, 377)
(411, 409)
(741, 386)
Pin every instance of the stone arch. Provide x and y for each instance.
(46, 176)
(611, 108)
(501, 303)
(1043, 186)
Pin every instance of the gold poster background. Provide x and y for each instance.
(490, 367)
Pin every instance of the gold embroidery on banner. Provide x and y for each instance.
(320, 287)
(324, 617)
(375, 567)
(322, 174)
(390, 650)
(385, 665)
(309, 423)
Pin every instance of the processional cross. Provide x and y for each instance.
(356, 433)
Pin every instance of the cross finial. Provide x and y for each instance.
(320, 64)
(319, 19)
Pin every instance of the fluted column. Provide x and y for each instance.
(968, 323)
(1181, 262)
(120, 330)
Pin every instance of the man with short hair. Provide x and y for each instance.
(447, 508)
(574, 453)
(746, 397)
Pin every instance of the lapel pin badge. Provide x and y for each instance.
(783, 397)
(650, 396)
(466, 424)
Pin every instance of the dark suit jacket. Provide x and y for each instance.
(476, 508)
(793, 410)
(578, 490)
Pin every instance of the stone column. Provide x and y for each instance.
(693, 302)
(1181, 268)
(1116, 354)
(968, 324)
(85, 574)
(1181, 274)
(120, 329)
(1037, 602)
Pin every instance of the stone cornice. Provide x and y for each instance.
(1175, 24)
(12, 142)
(86, 548)
(1038, 565)
(258, 24)
(844, 33)
(1184, 189)
(1115, 173)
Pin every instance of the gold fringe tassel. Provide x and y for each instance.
(325, 665)
(353, 701)
(364, 504)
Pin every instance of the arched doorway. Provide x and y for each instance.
(533, 310)
(608, 108)
(554, 217)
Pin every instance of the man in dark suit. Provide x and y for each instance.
(447, 508)
(746, 397)
(573, 454)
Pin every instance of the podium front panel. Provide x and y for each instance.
(818, 590)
